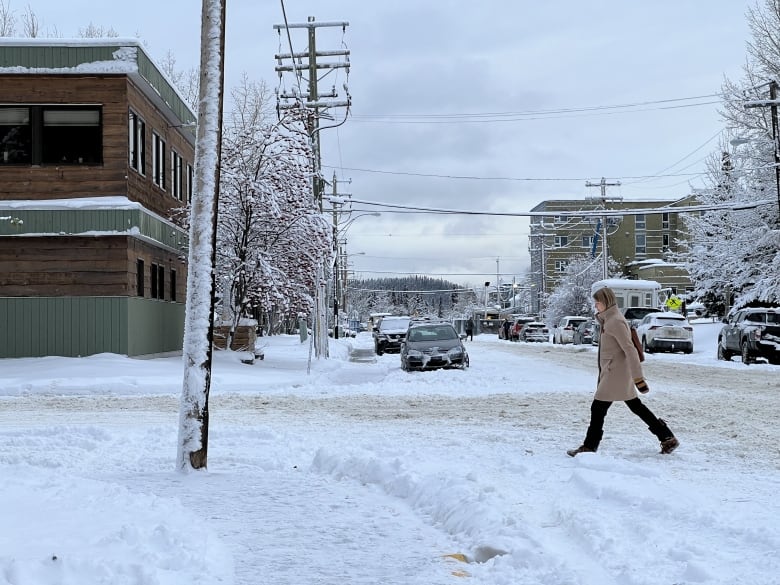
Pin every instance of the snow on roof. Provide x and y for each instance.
(623, 283)
(124, 61)
(117, 202)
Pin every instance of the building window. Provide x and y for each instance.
(158, 161)
(15, 136)
(665, 241)
(161, 283)
(173, 284)
(190, 182)
(587, 241)
(665, 221)
(157, 274)
(560, 265)
(61, 135)
(137, 143)
(641, 244)
(139, 277)
(153, 281)
(176, 175)
(561, 241)
(640, 222)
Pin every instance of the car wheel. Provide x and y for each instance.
(647, 348)
(723, 353)
(746, 359)
(379, 350)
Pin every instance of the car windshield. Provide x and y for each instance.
(432, 333)
(393, 324)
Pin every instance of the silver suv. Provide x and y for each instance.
(564, 331)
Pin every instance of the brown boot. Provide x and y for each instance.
(669, 445)
(578, 450)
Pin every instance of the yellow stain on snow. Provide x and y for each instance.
(461, 558)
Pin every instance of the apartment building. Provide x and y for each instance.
(641, 243)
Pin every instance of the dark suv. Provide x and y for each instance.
(751, 333)
(389, 334)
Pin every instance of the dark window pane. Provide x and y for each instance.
(72, 136)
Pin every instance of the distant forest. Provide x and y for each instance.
(412, 295)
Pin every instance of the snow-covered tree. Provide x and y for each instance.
(572, 296)
(735, 252)
(271, 234)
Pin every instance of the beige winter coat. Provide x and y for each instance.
(618, 360)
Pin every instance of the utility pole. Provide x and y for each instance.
(604, 249)
(772, 104)
(313, 104)
(337, 252)
(311, 100)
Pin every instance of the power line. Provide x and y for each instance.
(734, 205)
(515, 179)
(535, 114)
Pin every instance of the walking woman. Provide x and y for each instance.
(619, 372)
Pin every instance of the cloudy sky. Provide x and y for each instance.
(495, 107)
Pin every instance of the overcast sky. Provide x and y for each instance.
(412, 63)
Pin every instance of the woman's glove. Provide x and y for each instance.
(641, 385)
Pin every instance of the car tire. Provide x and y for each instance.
(379, 350)
(746, 357)
(647, 348)
(723, 353)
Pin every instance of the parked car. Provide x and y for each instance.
(664, 331)
(505, 330)
(389, 334)
(432, 345)
(516, 332)
(596, 333)
(635, 314)
(535, 331)
(751, 333)
(583, 334)
(564, 331)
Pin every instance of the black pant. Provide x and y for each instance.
(598, 412)
(470, 334)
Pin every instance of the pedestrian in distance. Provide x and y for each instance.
(505, 326)
(470, 329)
(620, 376)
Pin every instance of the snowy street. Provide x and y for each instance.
(362, 473)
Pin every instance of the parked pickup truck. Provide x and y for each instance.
(751, 333)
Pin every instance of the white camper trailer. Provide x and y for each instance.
(634, 293)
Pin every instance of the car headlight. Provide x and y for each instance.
(455, 352)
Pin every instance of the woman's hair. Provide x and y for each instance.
(606, 296)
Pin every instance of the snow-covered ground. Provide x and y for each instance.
(361, 473)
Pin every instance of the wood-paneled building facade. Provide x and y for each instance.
(96, 153)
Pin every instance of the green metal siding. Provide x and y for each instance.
(81, 326)
(79, 221)
(52, 57)
(154, 326)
